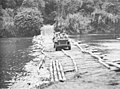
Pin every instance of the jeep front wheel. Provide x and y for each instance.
(56, 49)
(69, 47)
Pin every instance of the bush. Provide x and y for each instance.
(28, 22)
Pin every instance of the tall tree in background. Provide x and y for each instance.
(105, 17)
(102, 15)
(7, 28)
(92, 16)
(29, 19)
(1, 18)
(8, 4)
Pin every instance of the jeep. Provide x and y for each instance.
(61, 42)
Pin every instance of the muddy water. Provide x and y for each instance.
(14, 53)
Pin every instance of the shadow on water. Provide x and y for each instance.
(13, 56)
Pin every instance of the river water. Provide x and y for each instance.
(105, 45)
(13, 56)
(14, 53)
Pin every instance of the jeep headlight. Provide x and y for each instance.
(68, 42)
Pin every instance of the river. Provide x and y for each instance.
(106, 45)
(13, 56)
(14, 53)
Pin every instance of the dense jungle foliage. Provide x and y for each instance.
(26, 17)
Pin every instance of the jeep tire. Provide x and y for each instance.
(69, 47)
(56, 49)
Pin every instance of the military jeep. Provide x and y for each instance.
(61, 42)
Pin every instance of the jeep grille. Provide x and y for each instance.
(62, 42)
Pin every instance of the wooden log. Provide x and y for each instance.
(62, 72)
(69, 70)
(76, 44)
(106, 64)
(113, 68)
(58, 71)
(79, 47)
(45, 54)
(116, 61)
(103, 63)
(95, 56)
(55, 72)
(114, 64)
(41, 63)
(51, 72)
(71, 59)
(100, 60)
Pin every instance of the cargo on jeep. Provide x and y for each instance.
(61, 41)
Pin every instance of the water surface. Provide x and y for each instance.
(106, 44)
(13, 56)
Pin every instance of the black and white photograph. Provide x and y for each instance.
(59, 44)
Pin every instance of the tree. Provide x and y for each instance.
(105, 17)
(29, 4)
(1, 19)
(8, 4)
(7, 24)
(77, 23)
(28, 22)
(18, 3)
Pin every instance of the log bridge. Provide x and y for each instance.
(57, 69)
(110, 65)
(57, 72)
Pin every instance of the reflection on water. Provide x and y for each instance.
(13, 56)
